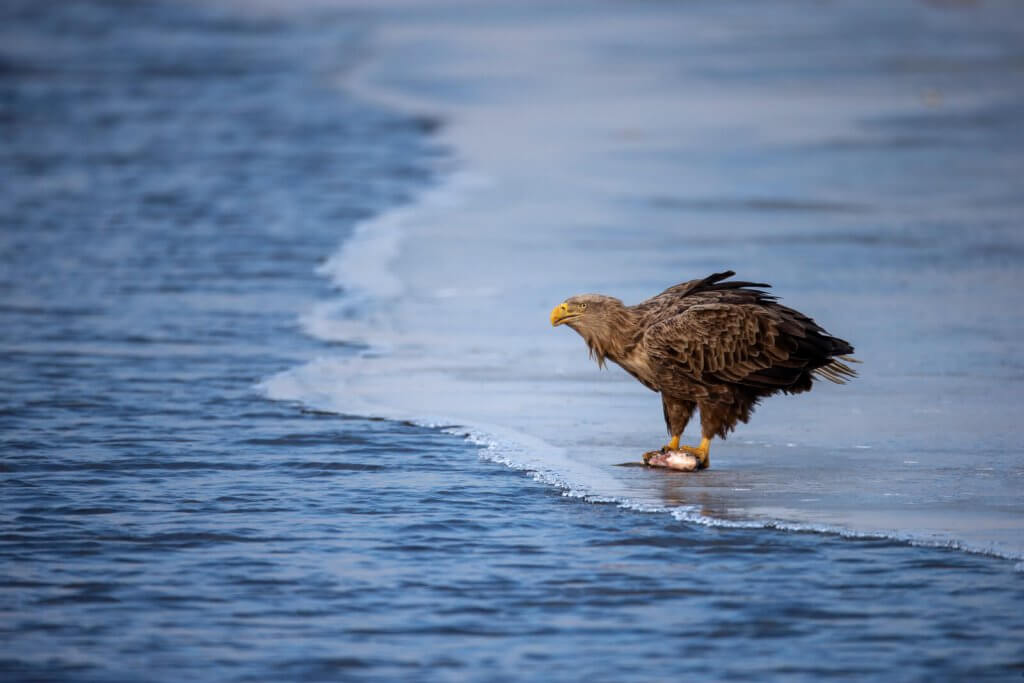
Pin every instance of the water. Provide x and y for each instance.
(175, 175)
(877, 190)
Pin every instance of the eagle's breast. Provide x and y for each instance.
(636, 362)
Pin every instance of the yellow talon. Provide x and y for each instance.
(702, 452)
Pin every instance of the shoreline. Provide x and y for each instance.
(461, 197)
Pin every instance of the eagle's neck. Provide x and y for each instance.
(614, 337)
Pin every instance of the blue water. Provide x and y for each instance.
(172, 175)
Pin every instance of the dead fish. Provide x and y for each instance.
(675, 460)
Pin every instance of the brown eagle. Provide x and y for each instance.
(711, 345)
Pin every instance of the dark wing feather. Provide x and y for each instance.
(677, 299)
(761, 346)
(711, 332)
(715, 343)
(711, 283)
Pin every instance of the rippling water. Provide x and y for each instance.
(172, 176)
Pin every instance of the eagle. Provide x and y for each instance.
(714, 345)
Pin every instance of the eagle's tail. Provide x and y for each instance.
(836, 370)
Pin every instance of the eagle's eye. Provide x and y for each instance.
(583, 307)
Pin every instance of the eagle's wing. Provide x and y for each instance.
(747, 344)
(715, 287)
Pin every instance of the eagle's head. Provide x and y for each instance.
(601, 320)
(584, 311)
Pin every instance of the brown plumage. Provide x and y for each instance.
(715, 345)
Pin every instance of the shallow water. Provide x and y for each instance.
(173, 176)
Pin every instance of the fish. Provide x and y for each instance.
(674, 460)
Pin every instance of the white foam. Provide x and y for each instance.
(693, 516)
(363, 265)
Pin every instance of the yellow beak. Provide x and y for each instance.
(559, 313)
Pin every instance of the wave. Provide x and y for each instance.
(362, 268)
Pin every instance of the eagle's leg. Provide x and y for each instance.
(716, 419)
(677, 413)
